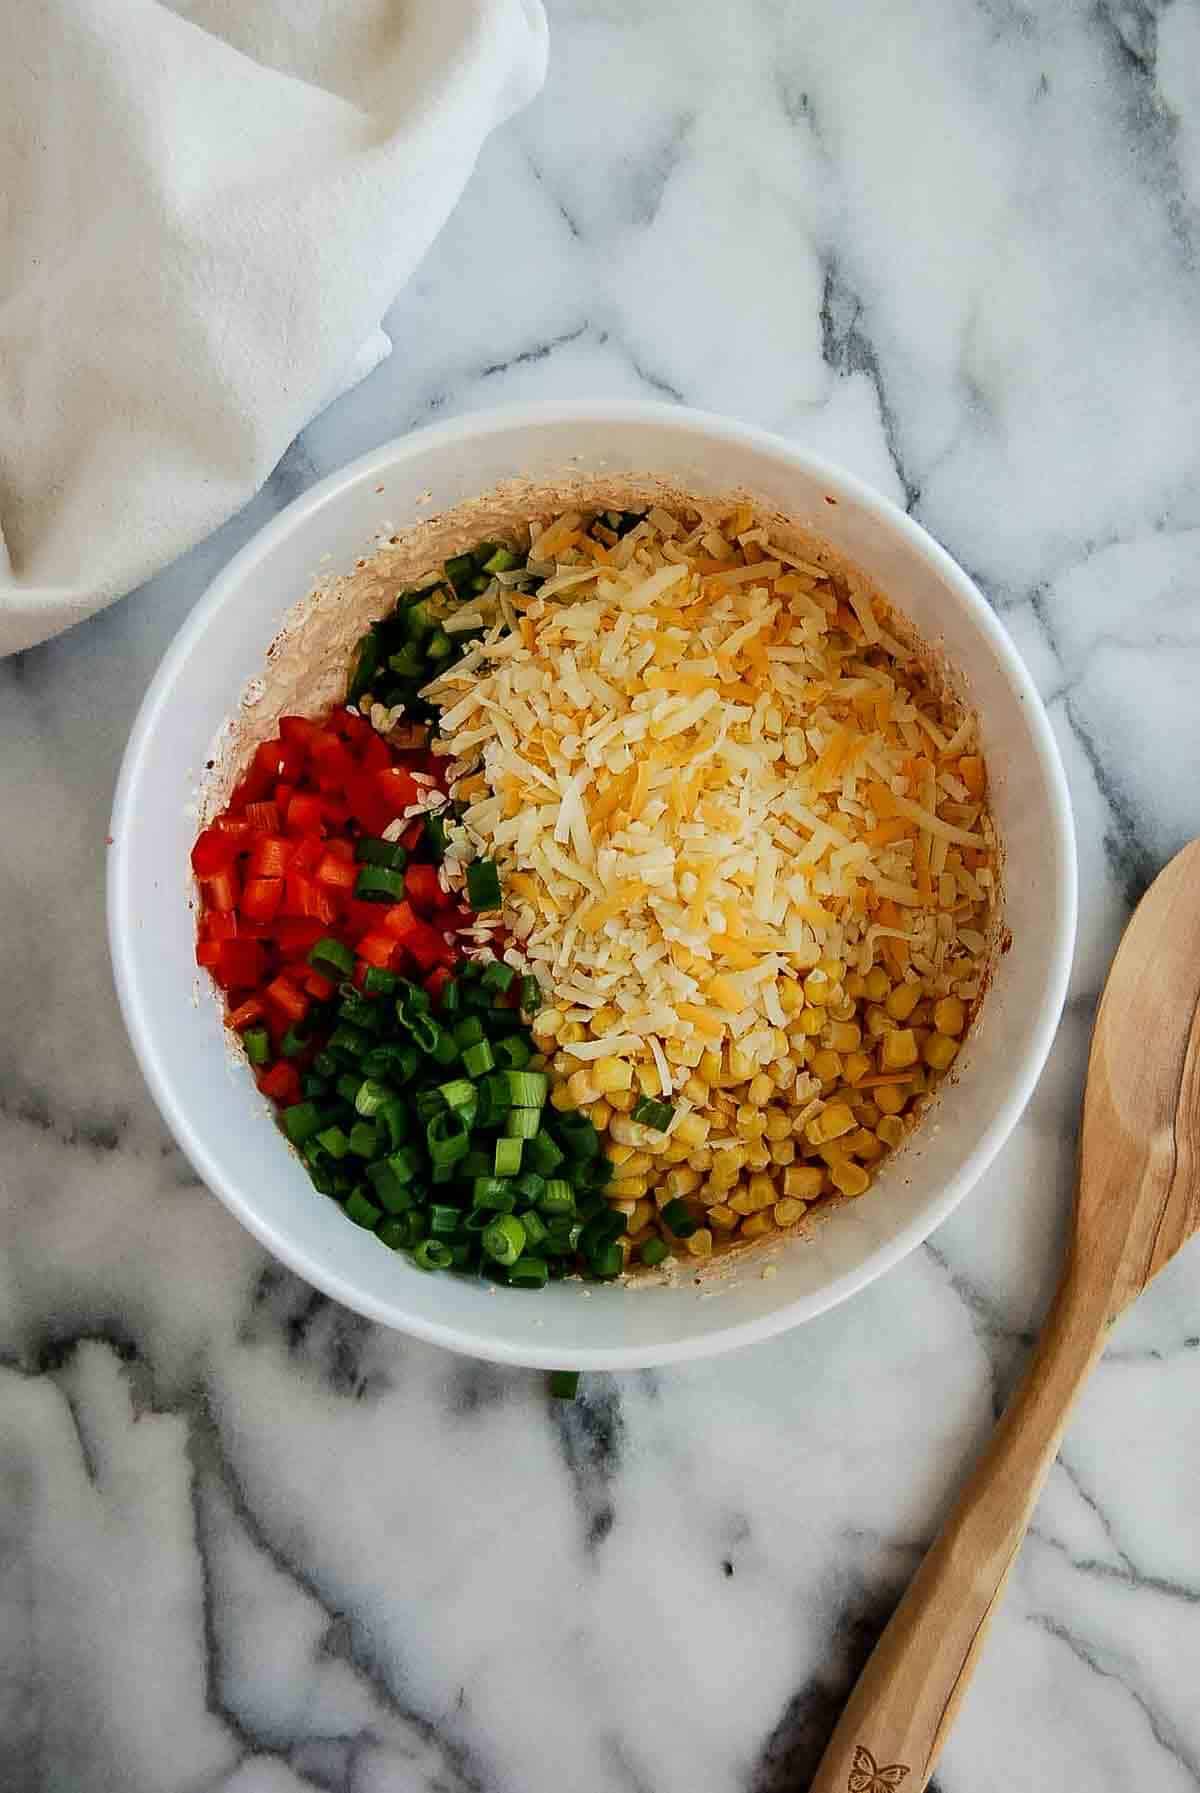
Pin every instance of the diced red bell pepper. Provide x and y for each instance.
(244, 1014)
(242, 964)
(354, 729)
(332, 762)
(270, 856)
(336, 873)
(222, 890)
(218, 924)
(287, 998)
(263, 817)
(281, 1083)
(304, 896)
(378, 949)
(261, 898)
(208, 954)
(336, 811)
(281, 796)
(297, 730)
(269, 759)
(412, 835)
(437, 980)
(298, 935)
(236, 827)
(425, 944)
(424, 890)
(293, 758)
(319, 987)
(304, 814)
(375, 753)
(307, 854)
(366, 803)
(341, 849)
(214, 851)
(398, 788)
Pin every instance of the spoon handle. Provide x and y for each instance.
(898, 1716)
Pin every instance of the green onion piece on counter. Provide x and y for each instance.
(498, 977)
(379, 884)
(379, 981)
(557, 1198)
(372, 850)
(680, 1219)
(448, 1139)
(522, 1123)
(257, 1042)
(654, 1251)
(527, 1089)
(531, 995)
(433, 1254)
(508, 1157)
(478, 1059)
(301, 1121)
(649, 1112)
(371, 1097)
(483, 885)
(504, 1239)
(364, 1139)
(528, 1273)
(362, 1211)
(333, 1141)
(564, 1384)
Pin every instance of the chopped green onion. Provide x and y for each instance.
(564, 1384)
(390, 1063)
(541, 1154)
(649, 1112)
(679, 1217)
(408, 663)
(370, 850)
(364, 1139)
(494, 1192)
(654, 1251)
(601, 1230)
(468, 1031)
(461, 1094)
(360, 1012)
(435, 833)
(536, 1230)
(379, 981)
(413, 1014)
(608, 1262)
(348, 1085)
(528, 1273)
(478, 1059)
(394, 1233)
(443, 1051)
(476, 1164)
(513, 1052)
(394, 1116)
(557, 1198)
(314, 1086)
(504, 1239)
(448, 1138)
(348, 1043)
(439, 646)
(366, 665)
(325, 1065)
(527, 1089)
(578, 1135)
(508, 1157)
(483, 885)
(379, 884)
(432, 1254)
(331, 958)
(371, 1097)
(443, 1219)
(522, 1123)
(301, 1121)
(257, 1042)
(498, 977)
(448, 1000)
(333, 1141)
(362, 1211)
(294, 1042)
(531, 995)
(391, 1187)
(531, 1186)
(459, 569)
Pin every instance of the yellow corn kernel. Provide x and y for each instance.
(834, 970)
(692, 1130)
(672, 1154)
(876, 984)
(751, 1122)
(761, 1090)
(727, 1162)
(695, 1091)
(758, 1155)
(791, 996)
(851, 1179)
(638, 1164)
(624, 1205)
(603, 1021)
(804, 1181)
(783, 1151)
(744, 1200)
(834, 1120)
(845, 1010)
(627, 1189)
(642, 1215)
(571, 1033)
(862, 1144)
(898, 1050)
(890, 1130)
(700, 1243)
(879, 1022)
(621, 1099)
(779, 1124)
(855, 1067)
(561, 1097)
(826, 1065)
(616, 1153)
(537, 1061)
(612, 1074)
(756, 1226)
(546, 1023)
(701, 1160)
(583, 1089)
(723, 1216)
(856, 986)
(817, 987)
(788, 1211)
(891, 1097)
(805, 1027)
(940, 1051)
(922, 1015)
(738, 1066)
(600, 1114)
(681, 1182)
(949, 1015)
(902, 1001)
(563, 1063)
(710, 1066)
(866, 1112)
(648, 1081)
(842, 1036)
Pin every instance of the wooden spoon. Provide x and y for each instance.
(1137, 1203)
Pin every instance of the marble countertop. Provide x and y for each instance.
(250, 1543)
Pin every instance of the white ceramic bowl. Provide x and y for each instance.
(211, 1104)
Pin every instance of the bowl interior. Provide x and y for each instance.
(210, 1102)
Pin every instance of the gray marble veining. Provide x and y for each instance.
(252, 1544)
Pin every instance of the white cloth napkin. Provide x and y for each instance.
(205, 210)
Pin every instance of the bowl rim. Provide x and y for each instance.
(123, 934)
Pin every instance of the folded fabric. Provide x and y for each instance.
(205, 210)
